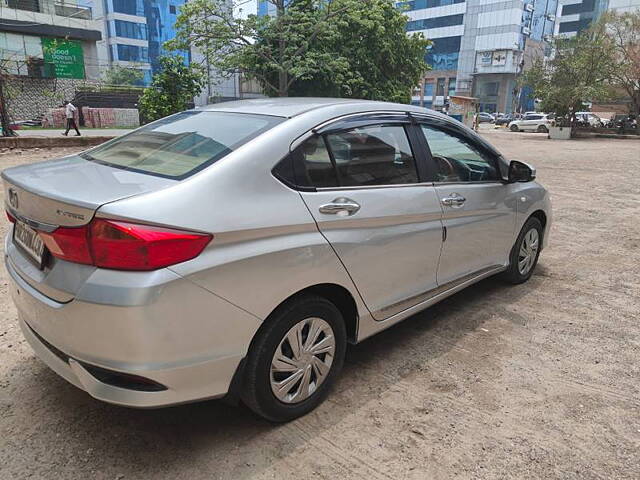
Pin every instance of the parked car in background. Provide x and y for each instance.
(532, 122)
(588, 119)
(239, 247)
(505, 119)
(484, 117)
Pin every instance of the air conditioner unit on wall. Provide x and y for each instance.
(529, 7)
(526, 31)
(551, 17)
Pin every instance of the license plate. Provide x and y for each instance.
(29, 242)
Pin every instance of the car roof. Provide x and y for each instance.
(293, 106)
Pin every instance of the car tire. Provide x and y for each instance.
(305, 315)
(514, 128)
(542, 129)
(527, 247)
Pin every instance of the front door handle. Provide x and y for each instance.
(453, 200)
(340, 206)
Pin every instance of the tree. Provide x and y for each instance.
(172, 88)
(576, 73)
(117, 75)
(353, 48)
(260, 46)
(622, 32)
(375, 57)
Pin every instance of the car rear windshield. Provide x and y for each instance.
(182, 144)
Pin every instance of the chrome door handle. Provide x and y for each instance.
(454, 200)
(339, 205)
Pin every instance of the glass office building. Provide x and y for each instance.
(136, 31)
(479, 48)
(576, 15)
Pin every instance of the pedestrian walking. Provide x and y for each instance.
(70, 110)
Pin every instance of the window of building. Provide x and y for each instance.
(443, 53)
(452, 87)
(457, 159)
(132, 53)
(428, 89)
(172, 9)
(440, 87)
(577, 26)
(130, 7)
(131, 30)
(420, 4)
(437, 22)
(490, 89)
(375, 155)
(582, 7)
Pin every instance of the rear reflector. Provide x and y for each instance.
(124, 246)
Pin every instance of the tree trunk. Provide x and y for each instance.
(4, 115)
(283, 76)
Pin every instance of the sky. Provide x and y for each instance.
(248, 7)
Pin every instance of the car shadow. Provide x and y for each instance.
(148, 442)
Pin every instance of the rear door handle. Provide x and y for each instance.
(340, 206)
(453, 200)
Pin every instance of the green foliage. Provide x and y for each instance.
(575, 74)
(378, 60)
(172, 89)
(622, 33)
(353, 48)
(117, 75)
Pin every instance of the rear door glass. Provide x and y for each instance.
(182, 144)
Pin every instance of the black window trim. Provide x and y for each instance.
(492, 156)
(425, 165)
(404, 120)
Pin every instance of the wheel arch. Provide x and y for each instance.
(542, 217)
(336, 294)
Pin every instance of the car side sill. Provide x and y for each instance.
(370, 326)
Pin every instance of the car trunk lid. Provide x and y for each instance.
(68, 191)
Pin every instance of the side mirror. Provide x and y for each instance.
(521, 172)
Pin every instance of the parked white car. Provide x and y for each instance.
(588, 119)
(532, 122)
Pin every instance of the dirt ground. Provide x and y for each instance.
(541, 380)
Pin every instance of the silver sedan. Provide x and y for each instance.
(235, 250)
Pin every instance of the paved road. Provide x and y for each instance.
(536, 381)
(89, 132)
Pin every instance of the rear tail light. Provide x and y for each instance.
(10, 217)
(124, 246)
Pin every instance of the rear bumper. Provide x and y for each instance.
(174, 334)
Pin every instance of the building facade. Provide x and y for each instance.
(576, 15)
(47, 49)
(51, 38)
(136, 31)
(480, 47)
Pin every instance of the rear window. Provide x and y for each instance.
(182, 144)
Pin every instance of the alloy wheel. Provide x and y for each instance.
(528, 251)
(302, 360)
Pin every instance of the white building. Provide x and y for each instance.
(480, 47)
